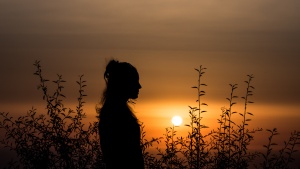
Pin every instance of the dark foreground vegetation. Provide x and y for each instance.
(59, 139)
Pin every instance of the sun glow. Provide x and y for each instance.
(176, 120)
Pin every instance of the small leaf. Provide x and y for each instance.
(250, 113)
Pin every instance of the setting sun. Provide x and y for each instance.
(176, 120)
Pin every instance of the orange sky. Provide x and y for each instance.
(165, 40)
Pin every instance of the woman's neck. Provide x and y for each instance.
(117, 101)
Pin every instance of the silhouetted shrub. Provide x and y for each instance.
(227, 146)
(57, 138)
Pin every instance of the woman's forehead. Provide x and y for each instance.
(134, 75)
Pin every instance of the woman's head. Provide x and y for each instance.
(122, 81)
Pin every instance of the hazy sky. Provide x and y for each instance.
(165, 40)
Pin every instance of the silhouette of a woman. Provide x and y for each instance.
(118, 126)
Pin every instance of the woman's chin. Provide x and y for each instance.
(134, 96)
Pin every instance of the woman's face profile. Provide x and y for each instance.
(134, 86)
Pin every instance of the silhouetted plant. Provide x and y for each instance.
(57, 138)
(226, 147)
(281, 159)
(195, 146)
(232, 139)
(149, 159)
(169, 158)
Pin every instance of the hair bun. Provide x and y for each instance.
(110, 68)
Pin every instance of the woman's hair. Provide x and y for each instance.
(117, 75)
